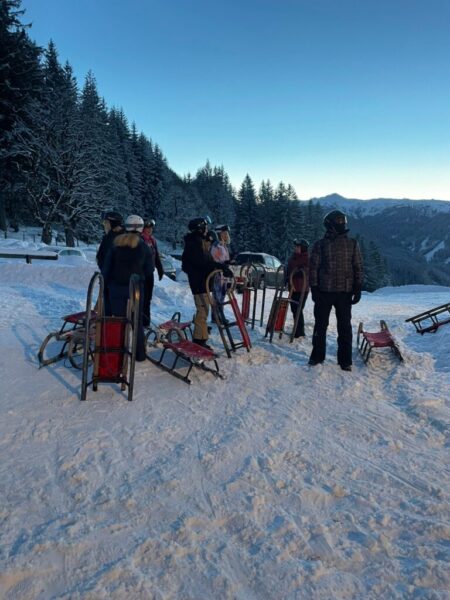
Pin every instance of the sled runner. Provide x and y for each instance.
(225, 326)
(158, 333)
(113, 350)
(430, 320)
(187, 352)
(68, 341)
(366, 341)
(280, 306)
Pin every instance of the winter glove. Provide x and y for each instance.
(356, 296)
(227, 272)
(315, 293)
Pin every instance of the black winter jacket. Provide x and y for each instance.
(105, 246)
(196, 262)
(335, 264)
(129, 255)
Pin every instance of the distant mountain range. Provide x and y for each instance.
(413, 235)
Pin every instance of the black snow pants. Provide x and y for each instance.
(149, 284)
(322, 308)
(300, 330)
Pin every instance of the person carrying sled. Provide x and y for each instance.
(335, 278)
(221, 254)
(129, 255)
(198, 263)
(149, 283)
(298, 267)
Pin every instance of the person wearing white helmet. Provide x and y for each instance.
(129, 255)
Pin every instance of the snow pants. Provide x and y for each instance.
(322, 308)
(300, 330)
(201, 317)
(149, 284)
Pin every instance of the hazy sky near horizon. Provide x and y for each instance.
(346, 96)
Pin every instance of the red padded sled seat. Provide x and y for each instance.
(190, 350)
(167, 325)
(380, 339)
(77, 317)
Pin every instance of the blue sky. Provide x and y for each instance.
(346, 96)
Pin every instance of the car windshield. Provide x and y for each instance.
(249, 258)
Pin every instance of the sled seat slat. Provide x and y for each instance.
(190, 350)
(167, 325)
(381, 339)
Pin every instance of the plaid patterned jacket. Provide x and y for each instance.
(335, 264)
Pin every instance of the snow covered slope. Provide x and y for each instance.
(280, 482)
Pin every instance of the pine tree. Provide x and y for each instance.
(246, 233)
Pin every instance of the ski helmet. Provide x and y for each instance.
(220, 228)
(336, 221)
(134, 223)
(149, 223)
(304, 244)
(199, 224)
(115, 218)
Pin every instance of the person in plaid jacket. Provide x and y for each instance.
(335, 278)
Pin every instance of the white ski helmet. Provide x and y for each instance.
(134, 223)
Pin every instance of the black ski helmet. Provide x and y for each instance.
(199, 224)
(336, 221)
(114, 217)
(149, 223)
(220, 228)
(304, 244)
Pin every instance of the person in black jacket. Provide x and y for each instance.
(147, 236)
(129, 255)
(335, 277)
(197, 263)
(113, 226)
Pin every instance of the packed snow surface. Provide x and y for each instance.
(281, 481)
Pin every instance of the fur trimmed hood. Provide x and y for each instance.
(130, 240)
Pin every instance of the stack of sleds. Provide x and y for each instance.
(430, 320)
(103, 347)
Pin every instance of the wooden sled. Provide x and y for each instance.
(430, 320)
(185, 350)
(366, 341)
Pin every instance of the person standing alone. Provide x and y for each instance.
(335, 277)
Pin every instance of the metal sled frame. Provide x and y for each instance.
(71, 336)
(157, 334)
(252, 276)
(366, 341)
(280, 307)
(125, 377)
(438, 316)
(229, 343)
(185, 350)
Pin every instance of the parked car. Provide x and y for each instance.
(71, 252)
(265, 264)
(168, 267)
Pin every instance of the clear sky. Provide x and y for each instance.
(346, 96)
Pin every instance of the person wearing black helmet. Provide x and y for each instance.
(221, 254)
(335, 277)
(113, 226)
(197, 263)
(298, 265)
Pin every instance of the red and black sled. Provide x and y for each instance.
(225, 326)
(185, 355)
(157, 334)
(113, 352)
(280, 306)
(367, 341)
